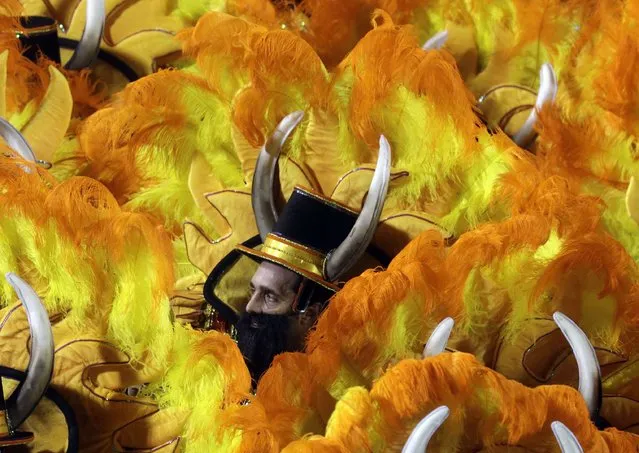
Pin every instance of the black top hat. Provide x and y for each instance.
(309, 227)
(40, 36)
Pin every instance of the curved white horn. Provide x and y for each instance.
(437, 41)
(16, 141)
(547, 93)
(438, 340)
(38, 374)
(353, 247)
(420, 437)
(565, 438)
(587, 363)
(264, 177)
(89, 46)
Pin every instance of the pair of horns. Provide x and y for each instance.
(353, 247)
(589, 384)
(587, 363)
(25, 398)
(420, 437)
(88, 47)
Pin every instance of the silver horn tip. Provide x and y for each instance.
(296, 116)
(587, 362)
(422, 433)
(275, 142)
(437, 41)
(565, 438)
(13, 279)
(438, 339)
(547, 85)
(384, 149)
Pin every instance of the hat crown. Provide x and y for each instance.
(41, 36)
(313, 221)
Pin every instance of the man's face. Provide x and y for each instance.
(273, 290)
(267, 328)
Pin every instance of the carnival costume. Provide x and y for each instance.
(455, 180)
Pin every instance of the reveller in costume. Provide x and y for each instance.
(305, 249)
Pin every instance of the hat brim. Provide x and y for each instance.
(260, 256)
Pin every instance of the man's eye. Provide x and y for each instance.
(270, 298)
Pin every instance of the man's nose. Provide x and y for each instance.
(254, 305)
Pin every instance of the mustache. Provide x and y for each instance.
(260, 338)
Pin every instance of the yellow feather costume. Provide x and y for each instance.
(172, 157)
(111, 320)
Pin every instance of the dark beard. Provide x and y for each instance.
(260, 338)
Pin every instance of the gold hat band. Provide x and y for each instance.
(295, 254)
(39, 29)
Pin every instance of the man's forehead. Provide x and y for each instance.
(268, 272)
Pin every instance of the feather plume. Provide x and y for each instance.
(66, 238)
(379, 318)
(497, 411)
(204, 363)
